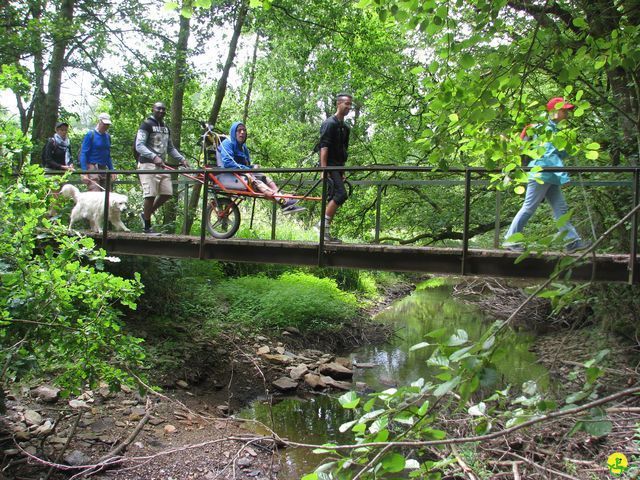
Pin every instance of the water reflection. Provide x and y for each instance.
(316, 419)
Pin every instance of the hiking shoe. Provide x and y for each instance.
(151, 232)
(514, 247)
(329, 239)
(577, 245)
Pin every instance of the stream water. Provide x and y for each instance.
(316, 418)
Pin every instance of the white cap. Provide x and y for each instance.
(105, 118)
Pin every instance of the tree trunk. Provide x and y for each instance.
(252, 76)
(233, 44)
(48, 103)
(179, 80)
(603, 18)
(177, 104)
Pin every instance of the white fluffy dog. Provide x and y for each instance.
(90, 205)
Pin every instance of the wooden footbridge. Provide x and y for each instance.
(476, 262)
(464, 260)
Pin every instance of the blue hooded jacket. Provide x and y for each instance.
(552, 158)
(232, 153)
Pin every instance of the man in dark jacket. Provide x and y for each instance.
(153, 143)
(334, 142)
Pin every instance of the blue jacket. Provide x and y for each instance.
(96, 148)
(552, 157)
(232, 153)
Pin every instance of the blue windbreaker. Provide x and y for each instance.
(552, 158)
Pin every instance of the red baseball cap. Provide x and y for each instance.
(551, 104)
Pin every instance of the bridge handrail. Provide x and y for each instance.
(468, 172)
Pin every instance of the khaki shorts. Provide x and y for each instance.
(97, 181)
(154, 184)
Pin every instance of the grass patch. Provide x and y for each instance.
(293, 299)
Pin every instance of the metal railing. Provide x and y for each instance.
(467, 181)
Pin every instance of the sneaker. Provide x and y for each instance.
(577, 245)
(292, 209)
(514, 247)
(151, 232)
(329, 239)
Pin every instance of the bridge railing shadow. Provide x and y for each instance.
(377, 180)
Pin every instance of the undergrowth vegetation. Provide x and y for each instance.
(293, 299)
(263, 297)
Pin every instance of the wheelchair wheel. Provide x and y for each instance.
(223, 218)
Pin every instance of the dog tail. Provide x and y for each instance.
(70, 191)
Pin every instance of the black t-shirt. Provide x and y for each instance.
(334, 135)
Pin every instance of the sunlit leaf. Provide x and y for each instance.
(447, 387)
(419, 346)
(459, 338)
(349, 400)
(346, 426)
(478, 410)
(379, 425)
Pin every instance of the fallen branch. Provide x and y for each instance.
(120, 448)
(540, 467)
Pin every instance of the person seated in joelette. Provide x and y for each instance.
(233, 153)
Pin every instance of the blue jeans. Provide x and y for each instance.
(536, 192)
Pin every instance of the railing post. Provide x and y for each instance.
(378, 201)
(465, 228)
(496, 231)
(253, 211)
(185, 210)
(105, 218)
(274, 208)
(633, 248)
(323, 207)
(203, 221)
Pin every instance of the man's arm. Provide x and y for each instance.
(109, 159)
(173, 151)
(326, 136)
(141, 145)
(324, 156)
(84, 150)
(48, 155)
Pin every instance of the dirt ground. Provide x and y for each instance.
(186, 431)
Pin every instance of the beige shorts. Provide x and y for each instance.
(154, 184)
(96, 181)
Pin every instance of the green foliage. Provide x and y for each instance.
(466, 383)
(60, 311)
(293, 299)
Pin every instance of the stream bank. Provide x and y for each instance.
(188, 434)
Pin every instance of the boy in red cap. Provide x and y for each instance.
(549, 189)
